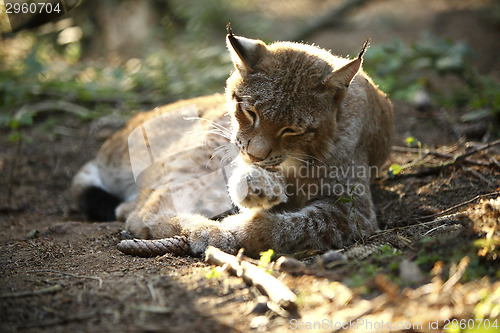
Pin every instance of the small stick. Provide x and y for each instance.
(460, 205)
(455, 277)
(436, 153)
(50, 289)
(452, 161)
(71, 274)
(479, 176)
(440, 219)
(400, 149)
(484, 147)
(456, 215)
(495, 161)
(251, 274)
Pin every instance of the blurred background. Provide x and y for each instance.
(114, 57)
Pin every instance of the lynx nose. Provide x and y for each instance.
(254, 158)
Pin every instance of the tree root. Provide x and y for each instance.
(177, 245)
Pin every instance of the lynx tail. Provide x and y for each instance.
(177, 245)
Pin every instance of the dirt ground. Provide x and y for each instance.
(61, 273)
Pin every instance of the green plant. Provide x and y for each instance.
(213, 272)
(396, 168)
(265, 260)
(488, 247)
(403, 70)
(188, 64)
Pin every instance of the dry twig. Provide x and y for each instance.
(457, 275)
(495, 161)
(71, 274)
(251, 274)
(479, 176)
(427, 152)
(480, 196)
(433, 169)
(50, 289)
(472, 152)
(438, 217)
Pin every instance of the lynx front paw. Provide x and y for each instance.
(255, 187)
(210, 233)
(150, 226)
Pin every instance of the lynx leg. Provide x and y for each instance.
(322, 224)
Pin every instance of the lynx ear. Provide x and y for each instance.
(342, 77)
(245, 52)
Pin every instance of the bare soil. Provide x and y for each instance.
(61, 273)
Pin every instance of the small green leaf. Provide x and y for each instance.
(485, 242)
(213, 273)
(265, 257)
(345, 199)
(410, 141)
(14, 124)
(395, 168)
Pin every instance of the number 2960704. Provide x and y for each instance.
(454, 324)
(32, 7)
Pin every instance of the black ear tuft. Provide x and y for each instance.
(365, 46)
(245, 52)
(236, 44)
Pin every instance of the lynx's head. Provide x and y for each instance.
(284, 98)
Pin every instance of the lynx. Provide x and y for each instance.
(310, 130)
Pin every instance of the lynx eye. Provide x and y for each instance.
(251, 115)
(285, 131)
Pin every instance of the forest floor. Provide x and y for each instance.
(430, 263)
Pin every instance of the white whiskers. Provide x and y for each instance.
(228, 149)
(305, 157)
(229, 153)
(217, 129)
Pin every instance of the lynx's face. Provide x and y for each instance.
(267, 133)
(284, 99)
